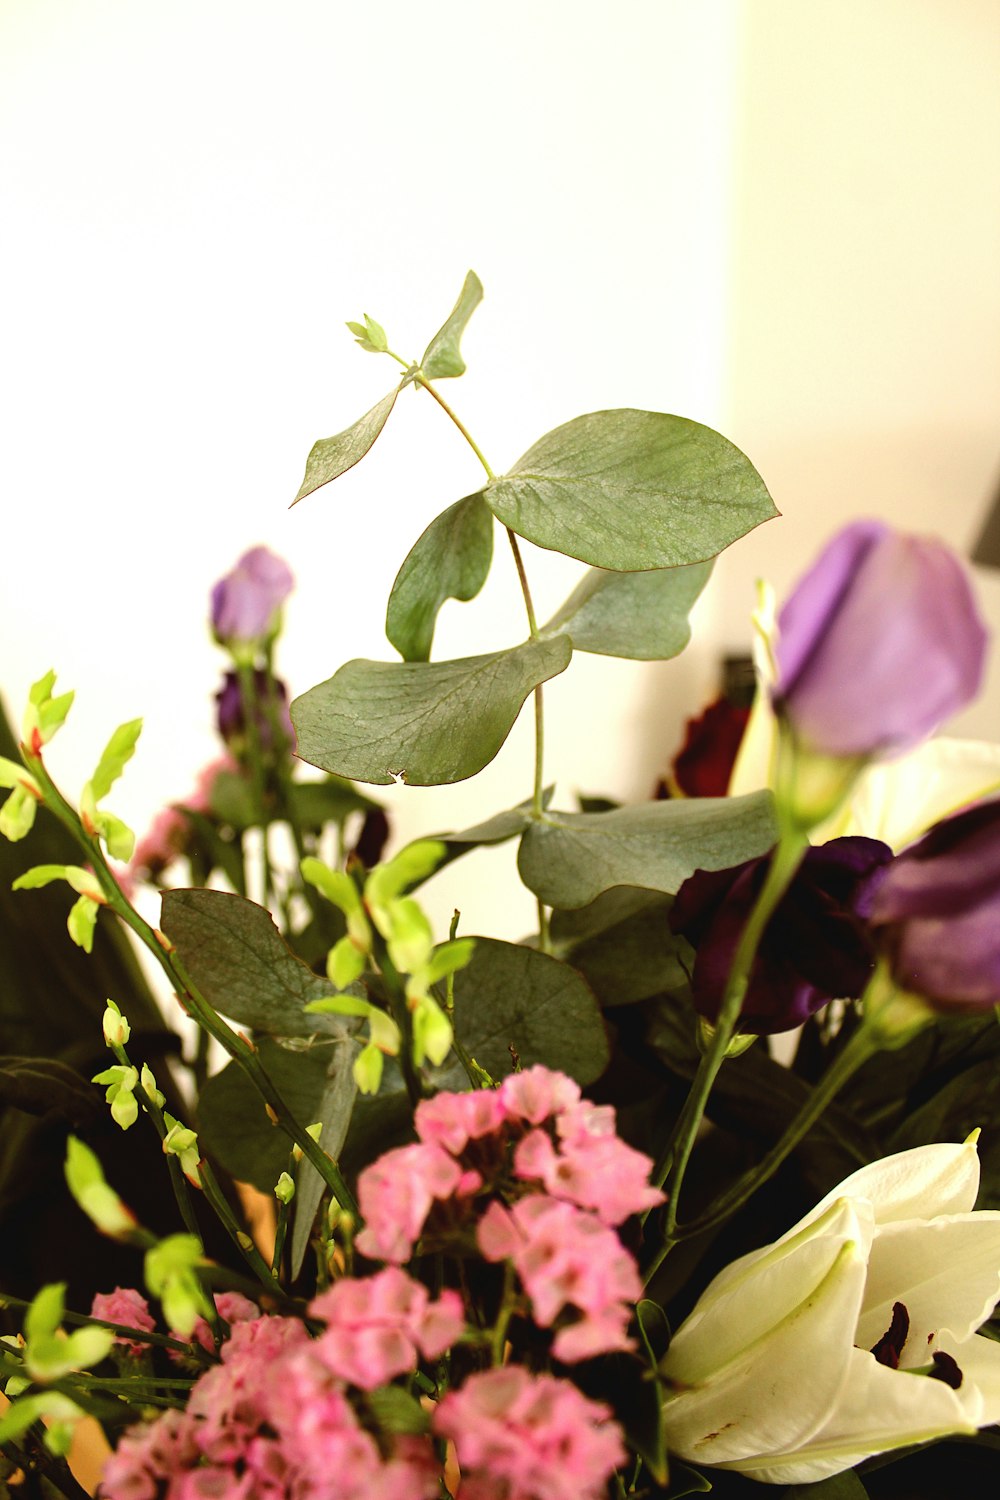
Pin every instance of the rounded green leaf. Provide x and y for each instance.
(449, 561)
(643, 616)
(421, 722)
(631, 490)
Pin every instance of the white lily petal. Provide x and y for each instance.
(978, 1359)
(780, 1389)
(880, 1409)
(921, 1183)
(946, 1273)
(752, 1293)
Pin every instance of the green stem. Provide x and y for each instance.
(190, 997)
(258, 778)
(673, 1163)
(498, 1336)
(241, 1239)
(860, 1047)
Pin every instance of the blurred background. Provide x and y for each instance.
(778, 217)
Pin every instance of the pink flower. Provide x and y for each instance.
(377, 1326)
(537, 1094)
(592, 1167)
(149, 1455)
(567, 1261)
(452, 1120)
(529, 1437)
(126, 1306)
(395, 1195)
(233, 1307)
(166, 839)
(200, 799)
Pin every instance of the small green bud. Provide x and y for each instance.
(368, 1069)
(284, 1188)
(121, 1080)
(313, 1132)
(116, 1029)
(148, 1082)
(345, 963)
(432, 1033)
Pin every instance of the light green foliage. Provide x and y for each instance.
(114, 1026)
(17, 816)
(450, 560)
(442, 357)
(59, 1412)
(171, 1272)
(81, 921)
(44, 714)
(149, 1086)
(182, 1142)
(370, 335)
(49, 1352)
(121, 1081)
(284, 1188)
(99, 1201)
(643, 616)
(117, 753)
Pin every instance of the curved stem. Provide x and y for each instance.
(674, 1160)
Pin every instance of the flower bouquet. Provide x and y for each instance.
(444, 1215)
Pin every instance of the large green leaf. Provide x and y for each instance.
(568, 859)
(631, 490)
(509, 996)
(442, 357)
(643, 616)
(333, 456)
(241, 963)
(449, 561)
(421, 722)
(623, 945)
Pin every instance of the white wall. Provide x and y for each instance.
(196, 196)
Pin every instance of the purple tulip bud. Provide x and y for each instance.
(936, 912)
(879, 643)
(231, 716)
(814, 949)
(245, 601)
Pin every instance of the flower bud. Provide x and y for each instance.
(246, 601)
(116, 1029)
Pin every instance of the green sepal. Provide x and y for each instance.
(432, 1032)
(14, 775)
(118, 837)
(370, 335)
(442, 358)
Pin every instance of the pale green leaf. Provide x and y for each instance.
(450, 560)
(38, 876)
(45, 1314)
(80, 923)
(12, 774)
(99, 1201)
(331, 457)
(117, 753)
(442, 357)
(568, 859)
(631, 490)
(17, 816)
(643, 616)
(425, 723)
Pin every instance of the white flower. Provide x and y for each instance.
(773, 1374)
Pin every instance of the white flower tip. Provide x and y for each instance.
(972, 1139)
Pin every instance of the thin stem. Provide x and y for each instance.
(242, 1240)
(422, 381)
(673, 1163)
(255, 755)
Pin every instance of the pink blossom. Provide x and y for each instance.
(537, 1094)
(148, 1455)
(567, 1261)
(452, 1120)
(592, 1168)
(377, 1326)
(232, 1307)
(529, 1437)
(126, 1306)
(395, 1195)
(200, 799)
(245, 602)
(166, 839)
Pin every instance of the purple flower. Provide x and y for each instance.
(245, 601)
(231, 717)
(879, 643)
(936, 912)
(814, 949)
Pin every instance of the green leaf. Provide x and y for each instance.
(568, 859)
(623, 945)
(632, 490)
(45, 1313)
(38, 1085)
(450, 560)
(421, 722)
(643, 616)
(653, 1329)
(845, 1486)
(442, 358)
(395, 1410)
(117, 753)
(333, 1112)
(241, 964)
(511, 996)
(99, 1201)
(331, 457)
(333, 800)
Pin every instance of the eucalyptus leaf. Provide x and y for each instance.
(331, 457)
(632, 490)
(450, 560)
(442, 357)
(333, 800)
(642, 616)
(510, 996)
(421, 722)
(241, 964)
(568, 859)
(634, 955)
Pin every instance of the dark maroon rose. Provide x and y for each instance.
(704, 764)
(231, 716)
(935, 912)
(815, 948)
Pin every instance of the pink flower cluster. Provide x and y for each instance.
(129, 1308)
(375, 1328)
(170, 830)
(529, 1437)
(535, 1128)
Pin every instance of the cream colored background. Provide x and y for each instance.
(780, 218)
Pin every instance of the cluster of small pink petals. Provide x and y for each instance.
(453, 1120)
(568, 1261)
(529, 1437)
(232, 1307)
(592, 1167)
(395, 1195)
(537, 1094)
(126, 1306)
(376, 1327)
(166, 839)
(200, 799)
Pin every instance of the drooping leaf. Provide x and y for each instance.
(568, 859)
(442, 357)
(422, 722)
(333, 456)
(449, 561)
(46, 1086)
(241, 964)
(643, 616)
(509, 996)
(631, 490)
